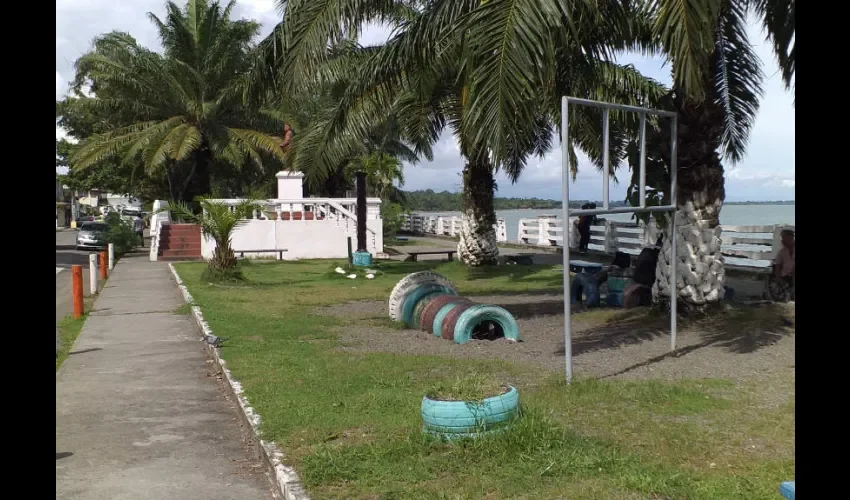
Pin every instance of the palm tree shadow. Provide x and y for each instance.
(532, 309)
(630, 327)
(739, 329)
(746, 329)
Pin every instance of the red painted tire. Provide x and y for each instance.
(429, 314)
(420, 306)
(451, 320)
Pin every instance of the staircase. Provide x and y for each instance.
(179, 242)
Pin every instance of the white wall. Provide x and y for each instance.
(315, 239)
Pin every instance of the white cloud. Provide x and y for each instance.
(60, 86)
(771, 148)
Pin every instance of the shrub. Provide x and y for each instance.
(121, 234)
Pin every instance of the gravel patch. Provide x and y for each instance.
(607, 343)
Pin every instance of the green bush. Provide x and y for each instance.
(121, 234)
(392, 215)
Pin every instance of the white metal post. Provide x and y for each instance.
(565, 244)
(605, 159)
(93, 273)
(642, 160)
(674, 257)
(111, 256)
(670, 208)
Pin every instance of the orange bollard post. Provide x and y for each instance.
(77, 290)
(103, 263)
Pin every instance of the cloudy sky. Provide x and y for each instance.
(767, 173)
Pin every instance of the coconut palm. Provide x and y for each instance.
(443, 68)
(382, 172)
(717, 88)
(218, 221)
(180, 112)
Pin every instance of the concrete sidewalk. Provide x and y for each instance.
(140, 412)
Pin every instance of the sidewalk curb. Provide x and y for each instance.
(287, 479)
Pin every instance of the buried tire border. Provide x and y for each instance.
(429, 314)
(416, 295)
(459, 418)
(407, 284)
(483, 312)
(286, 480)
(450, 321)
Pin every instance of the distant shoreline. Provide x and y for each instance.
(430, 201)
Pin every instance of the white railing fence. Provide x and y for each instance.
(446, 226)
(754, 246)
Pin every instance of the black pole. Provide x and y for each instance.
(361, 211)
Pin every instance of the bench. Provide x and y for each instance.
(278, 251)
(413, 256)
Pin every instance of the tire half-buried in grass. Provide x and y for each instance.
(485, 322)
(407, 284)
(465, 419)
(429, 313)
(416, 317)
(448, 326)
(440, 318)
(417, 294)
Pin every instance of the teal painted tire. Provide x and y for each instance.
(416, 317)
(417, 294)
(441, 315)
(469, 417)
(407, 284)
(478, 314)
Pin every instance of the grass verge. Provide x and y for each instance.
(349, 421)
(69, 329)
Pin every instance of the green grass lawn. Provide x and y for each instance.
(349, 422)
(69, 329)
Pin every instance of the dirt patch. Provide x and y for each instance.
(741, 344)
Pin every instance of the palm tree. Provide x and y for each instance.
(717, 88)
(382, 171)
(217, 221)
(445, 66)
(181, 112)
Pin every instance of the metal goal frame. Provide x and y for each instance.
(565, 178)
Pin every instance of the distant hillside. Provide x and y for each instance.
(430, 201)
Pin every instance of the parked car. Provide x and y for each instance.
(92, 235)
(84, 218)
(131, 211)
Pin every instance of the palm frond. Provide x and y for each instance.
(686, 29)
(738, 79)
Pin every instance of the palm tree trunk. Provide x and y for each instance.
(477, 245)
(197, 183)
(700, 274)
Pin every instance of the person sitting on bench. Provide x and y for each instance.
(620, 267)
(784, 269)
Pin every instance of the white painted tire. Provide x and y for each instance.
(410, 283)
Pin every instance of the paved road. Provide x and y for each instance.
(140, 413)
(67, 256)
